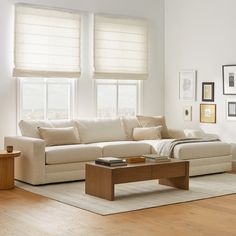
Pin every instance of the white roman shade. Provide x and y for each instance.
(120, 48)
(47, 42)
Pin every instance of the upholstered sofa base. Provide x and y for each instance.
(210, 165)
(64, 172)
(76, 171)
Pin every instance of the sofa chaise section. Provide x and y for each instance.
(203, 157)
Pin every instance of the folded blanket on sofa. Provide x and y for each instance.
(166, 147)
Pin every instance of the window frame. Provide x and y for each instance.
(46, 81)
(117, 83)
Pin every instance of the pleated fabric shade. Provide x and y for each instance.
(120, 48)
(47, 42)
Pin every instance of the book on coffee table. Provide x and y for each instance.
(156, 158)
(111, 161)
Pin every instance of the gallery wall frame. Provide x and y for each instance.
(208, 91)
(187, 85)
(207, 113)
(229, 79)
(231, 109)
(187, 113)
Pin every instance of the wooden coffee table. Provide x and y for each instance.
(100, 180)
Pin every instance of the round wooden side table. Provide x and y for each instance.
(7, 169)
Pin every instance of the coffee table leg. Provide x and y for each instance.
(181, 182)
(178, 182)
(98, 182)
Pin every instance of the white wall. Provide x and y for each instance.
(200, 35)
(153, 10)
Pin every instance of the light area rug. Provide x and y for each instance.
(137, 195)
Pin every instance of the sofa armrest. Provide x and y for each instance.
(191, 133)
(30, 167)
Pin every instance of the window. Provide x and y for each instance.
(120, 60)
(46, 99)
(117, 98)
(47, 53)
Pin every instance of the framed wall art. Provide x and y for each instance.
(208, 91)
(187, 85)
(208, 113)
(231, 110)
(187, 113)
(229, 79)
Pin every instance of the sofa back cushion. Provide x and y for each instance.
(100, 130)
(151, 121)
(59, 136)
(129, 123)
(29, 128)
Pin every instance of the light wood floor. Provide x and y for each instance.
(23, 213)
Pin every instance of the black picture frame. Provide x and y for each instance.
(208, 91)
(229, 79)
(231, 109)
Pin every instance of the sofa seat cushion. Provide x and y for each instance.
(72, 153)
(188, 151)
(124, 148)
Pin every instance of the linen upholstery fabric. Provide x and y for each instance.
(29, 128)
(124, 148)
(151, 121)
(147, 133)
(190, 133)
(41, 165)
(175, 133)
(201, 150)
(129, 123)
(100, 130)
(189, 151)
(72, 153)
(59, 136)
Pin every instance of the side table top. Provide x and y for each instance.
(5, 154)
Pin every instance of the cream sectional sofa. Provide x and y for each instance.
(41, 163)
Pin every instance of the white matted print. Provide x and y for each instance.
(187, 85)
(187, 112)
(229, 79)
(231, 109)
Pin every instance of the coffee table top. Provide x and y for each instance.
(147, 163)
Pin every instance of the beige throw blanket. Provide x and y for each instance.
(166, 147)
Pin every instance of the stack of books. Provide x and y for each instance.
(111, 161)
(156, 158)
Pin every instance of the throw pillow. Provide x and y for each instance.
(129, 123)
(148, 133)
(59, 136)
(152, 121)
